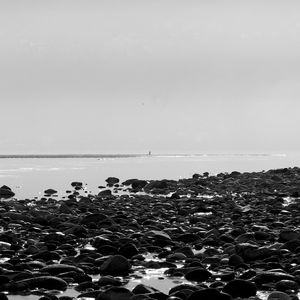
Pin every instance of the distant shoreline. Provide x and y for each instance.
(3, 156)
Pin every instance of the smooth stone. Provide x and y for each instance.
(46, 282)
(109, 280)
(50, 192)
(198, 275)
(6, 192)
(288, 235)
(115, 293)
(285, 285)
(115, 265)
(209, 294)
(112, 180)
(277, 295)
(240, 288)
(56, 269)
(267, 277)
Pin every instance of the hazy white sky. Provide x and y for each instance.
(132, 76)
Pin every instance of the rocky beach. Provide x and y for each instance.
(226, 236)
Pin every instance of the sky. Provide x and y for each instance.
(132, 76)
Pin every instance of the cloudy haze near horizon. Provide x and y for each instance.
(132, 76)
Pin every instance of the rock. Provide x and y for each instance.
(112, 180)
(235, 260)
(159, 235)
(76, 184)
(115, 293)
(250, 252)
(93, 218)
(45, 282)
(286, 285)
(209, 294)
(268, 276)
(138, 184)
(105, 193)
(198, 275)
(288, 235)
(6, 192)
(115, 265)
(50, 192)
(109, 280)
(56, 269)
(240, 288)
(128, 250)
(143, 289)
(3, 296)
(278, 296)
(87, 285)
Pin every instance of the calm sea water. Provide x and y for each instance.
(30, 176)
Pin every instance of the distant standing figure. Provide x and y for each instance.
(149, 153)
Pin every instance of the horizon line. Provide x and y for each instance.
(128, 155)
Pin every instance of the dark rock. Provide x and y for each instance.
(112, 180)
(3, 296)
(6, 192)
(93, 218)
(109, 280)
(46, 282)
(50, 192)
(105, 193)
(198, 275)
(268, 276)
(209, 293)
(87, 285)
(115, 293)
(288, 235)
(76, 184)
(287, 285)
(276, 295)
(115, 265)
(240, 288)
(251, 252)
(128, 250)
(143, 289)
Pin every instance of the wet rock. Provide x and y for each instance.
(109, 280)
(50, 192)
(76, 184)
(3, 296)
(276, 295)
(209, 293)
(128, 250)
(86, 285)
(115, 293)
(240, 288)
(105, 193)
(143, 289)
(115, 265)
(198, 275)
(45, 282)
(268, 276)
(6, 192)
(288, 235)
(93, 218)
(112, 180)
(287, 285)
(250, 252)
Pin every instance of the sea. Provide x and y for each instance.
(30, 175)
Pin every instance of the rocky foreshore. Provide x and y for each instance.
(228, 236)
